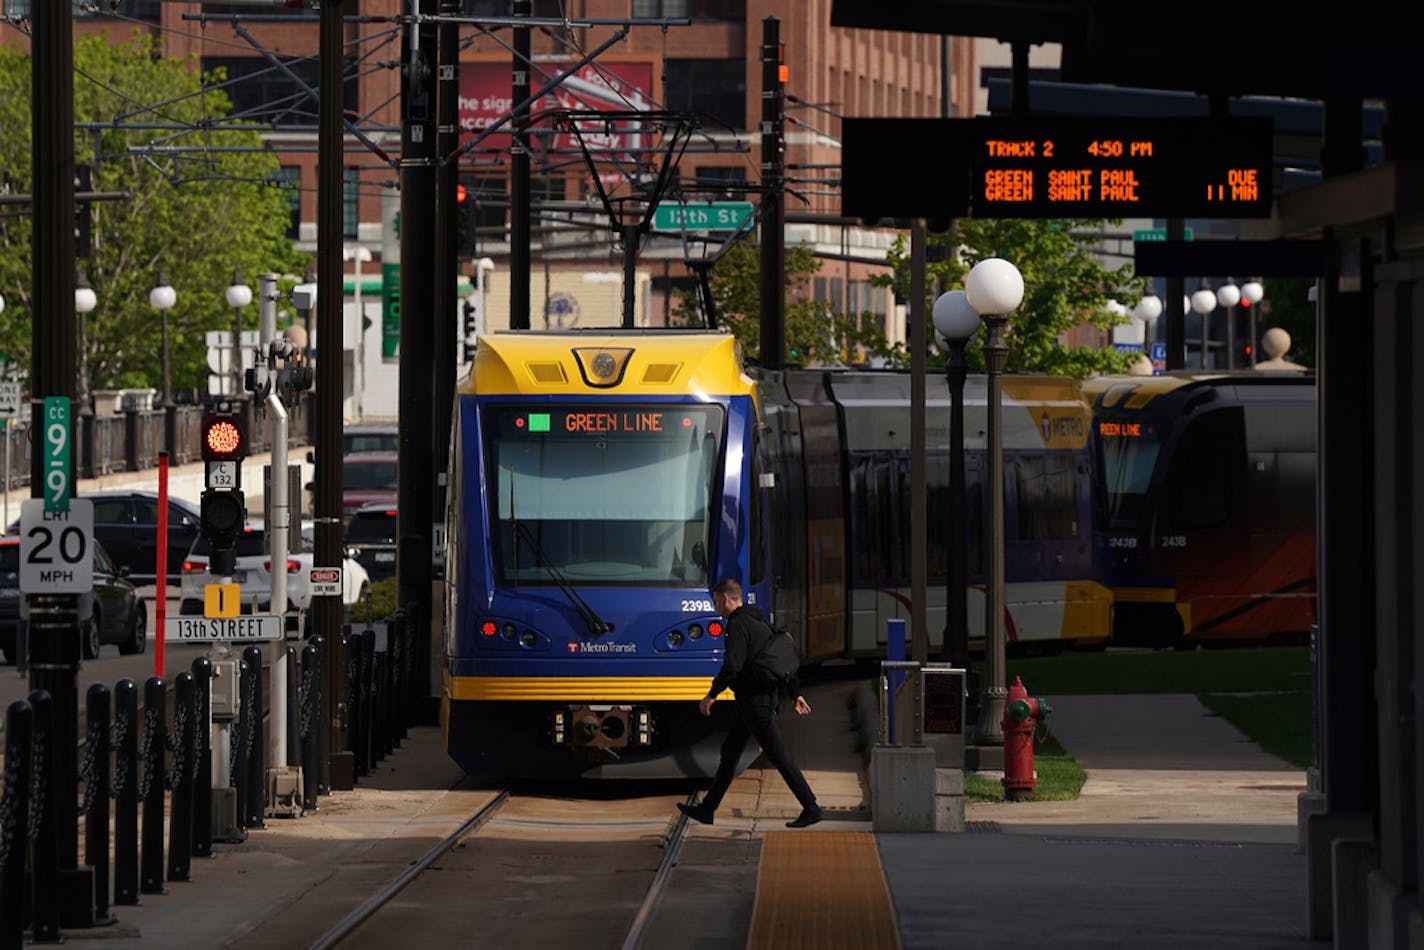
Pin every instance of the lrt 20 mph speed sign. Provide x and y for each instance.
(56, 548)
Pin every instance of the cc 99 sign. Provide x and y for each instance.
(56, 453)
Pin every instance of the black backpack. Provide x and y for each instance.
(778, 661)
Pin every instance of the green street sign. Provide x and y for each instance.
(711, 216)
(1159, 234)
(56, 454)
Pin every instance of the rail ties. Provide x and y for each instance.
(351, 921)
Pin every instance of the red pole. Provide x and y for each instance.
(161, 574)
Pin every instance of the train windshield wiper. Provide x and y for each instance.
(596, 624)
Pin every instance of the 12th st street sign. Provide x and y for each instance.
(714, 216)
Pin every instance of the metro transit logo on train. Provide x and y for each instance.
(576, 646)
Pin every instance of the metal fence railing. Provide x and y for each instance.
(129, 441)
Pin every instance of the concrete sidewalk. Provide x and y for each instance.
(1183, 837)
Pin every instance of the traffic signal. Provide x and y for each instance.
(83, 212)
(222, 513)
(224, 436)
(467, 219)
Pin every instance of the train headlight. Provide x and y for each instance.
(694, 631)
(508, 631)
(528, 639)
(675, 638)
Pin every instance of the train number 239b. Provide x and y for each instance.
(696, 606)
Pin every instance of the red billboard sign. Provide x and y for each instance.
(485, 98)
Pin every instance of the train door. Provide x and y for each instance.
(1201, 529)
(783, 512)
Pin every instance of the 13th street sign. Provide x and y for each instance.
(715, 216)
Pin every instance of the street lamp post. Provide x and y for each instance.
(1203, 303)
(1147, 310)
(957, 322)
(85, 300)
(162, 298)
(1228, 295)
(360, 254)
(239, 295)
(1253, 293)
(994, 288)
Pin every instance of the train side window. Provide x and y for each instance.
(1203, 483)
(1047, 503)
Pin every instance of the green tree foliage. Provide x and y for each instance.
(815, 333)
(1065, 285)
(198, 213)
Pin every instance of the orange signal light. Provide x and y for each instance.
(459, 194)
(223, 437)
(783, 73)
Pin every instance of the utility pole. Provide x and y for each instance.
(417, 335)
(447, 140)
(773, 202)
(55, 656)
(520, 232)
(330, 303)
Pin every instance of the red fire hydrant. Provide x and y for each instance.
(1021, 715)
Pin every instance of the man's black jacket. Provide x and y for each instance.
(747, 634)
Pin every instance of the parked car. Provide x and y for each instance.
(371, 539)
(252, 573)
(126, 523)
(367, 478)
(370, 438)
(120, 615)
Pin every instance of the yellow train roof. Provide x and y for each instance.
(607, 362)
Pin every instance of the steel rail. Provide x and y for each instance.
(359, 916)
(660, 879)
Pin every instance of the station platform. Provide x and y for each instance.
(1184, 836)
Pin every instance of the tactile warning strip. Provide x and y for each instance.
(822, 889)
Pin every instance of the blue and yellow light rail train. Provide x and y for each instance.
(601, 481)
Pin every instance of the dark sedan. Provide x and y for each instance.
(126, 523)
(371, 539)
(120, 615)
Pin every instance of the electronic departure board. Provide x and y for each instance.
(1054, 166)
(1057, 166)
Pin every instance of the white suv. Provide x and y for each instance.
(252, 573)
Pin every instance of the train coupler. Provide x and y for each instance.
(601, 729)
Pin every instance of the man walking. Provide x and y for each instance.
(758, 696)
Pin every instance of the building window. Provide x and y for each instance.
(129, 9)
(351, 203)
(697, 9)
(289, 179)
(259, 89)
(717, 87)
(718, 181)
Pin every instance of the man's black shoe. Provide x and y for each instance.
(699, 812)
(807, 817)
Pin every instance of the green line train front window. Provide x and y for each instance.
(603, 494)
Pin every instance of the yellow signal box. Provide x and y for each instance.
(222, 600)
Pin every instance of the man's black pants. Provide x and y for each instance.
(756, 718)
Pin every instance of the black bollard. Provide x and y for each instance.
(242, 731)
(379, 696)
(96, 798)
(308, 727)
(180, 822)
(367, 654)
(125, 793)
(320, 725)
(353, 700)
(150, 792)
(400, 630)
(203, 758)
(43, 828)
(395, 653)
(256, 795)
(294, 754)
(14, 808)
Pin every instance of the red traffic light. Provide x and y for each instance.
(224, 438)
(459, 194)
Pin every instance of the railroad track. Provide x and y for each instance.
(519, 839)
